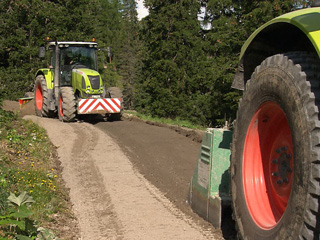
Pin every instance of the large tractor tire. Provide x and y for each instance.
(275, 162)
(67, 105)
(42, 99)
(115, 92)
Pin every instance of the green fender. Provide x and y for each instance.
(48, 75)
(307, 20)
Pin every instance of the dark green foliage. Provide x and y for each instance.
(171, 71)
(129, 60)
(183, 72)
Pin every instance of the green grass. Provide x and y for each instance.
(27, 164)
(177, 121)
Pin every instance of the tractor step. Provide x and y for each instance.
(209, 188)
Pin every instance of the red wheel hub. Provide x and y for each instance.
(39, 97)
(267, 172)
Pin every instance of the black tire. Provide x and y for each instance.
(67, 105)
(278, 132)
(41, 97)
(115, 92)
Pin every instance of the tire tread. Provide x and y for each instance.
(69, 104)
(45, 112)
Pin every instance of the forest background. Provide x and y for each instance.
(178, 62)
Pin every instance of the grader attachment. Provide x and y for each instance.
(209, 188)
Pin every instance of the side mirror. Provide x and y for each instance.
(42, 51)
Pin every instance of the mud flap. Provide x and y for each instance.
(209, 188)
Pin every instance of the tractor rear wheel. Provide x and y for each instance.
(275, 162)
(42, 98)
(67, 105)
(115, 92)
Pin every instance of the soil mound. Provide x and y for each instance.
(13, 106)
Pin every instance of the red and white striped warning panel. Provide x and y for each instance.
(100, 105)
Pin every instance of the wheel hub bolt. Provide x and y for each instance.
(284, 169)
(279, 181)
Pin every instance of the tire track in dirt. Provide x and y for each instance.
(111, 199)
(91, 202)
(99, 215)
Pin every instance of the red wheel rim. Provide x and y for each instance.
(39, 97)
(60, 106)
(267, 172)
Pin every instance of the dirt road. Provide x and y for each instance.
(128, 179)
(167, 160)
(111, 199)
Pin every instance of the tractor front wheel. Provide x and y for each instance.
(275, 163)
(67, 106)
(42, 98)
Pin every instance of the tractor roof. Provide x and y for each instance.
(73, 43)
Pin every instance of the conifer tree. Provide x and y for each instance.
(24, 26)
(173, 61)
(107, 33)
(128, 60)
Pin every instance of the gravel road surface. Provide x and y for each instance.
(111, 199)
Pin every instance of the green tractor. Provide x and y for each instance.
(273, 180)
(72, 86)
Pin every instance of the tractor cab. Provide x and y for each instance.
(77, 67)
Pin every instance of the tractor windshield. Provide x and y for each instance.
(79, 55)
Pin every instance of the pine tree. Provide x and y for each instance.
(128, 60)
(173, 59)
(107, 33)
(24, 26)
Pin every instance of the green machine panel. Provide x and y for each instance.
(209, 188)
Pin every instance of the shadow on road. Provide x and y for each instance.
(94, 119)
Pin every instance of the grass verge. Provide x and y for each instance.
(177, 121)
(28, 164)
